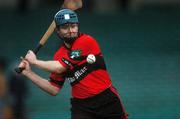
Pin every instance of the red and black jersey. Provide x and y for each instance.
(86, 79)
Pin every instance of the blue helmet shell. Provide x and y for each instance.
(65, 16)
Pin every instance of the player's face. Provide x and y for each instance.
(68, 30)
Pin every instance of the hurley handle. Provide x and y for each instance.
(36, 50)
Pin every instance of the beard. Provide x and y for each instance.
(68, 40)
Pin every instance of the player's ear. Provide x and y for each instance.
(57, 29)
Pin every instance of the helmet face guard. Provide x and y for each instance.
(63, 17)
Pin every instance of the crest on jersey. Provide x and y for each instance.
(75, 54)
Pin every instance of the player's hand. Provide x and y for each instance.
(25, 64)
(30, 57)
(22, 64)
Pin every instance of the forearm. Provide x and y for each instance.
(50, 66)
(42, 83)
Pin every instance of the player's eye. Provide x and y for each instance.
(73, 25)
(67, 26)
(64, 27)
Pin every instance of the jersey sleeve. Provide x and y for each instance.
(56, 80)
(63, 57)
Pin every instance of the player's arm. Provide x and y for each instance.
(50, 66)
(36, 79)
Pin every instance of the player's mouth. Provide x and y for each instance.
(70, 35)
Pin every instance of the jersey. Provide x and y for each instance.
(86, 79)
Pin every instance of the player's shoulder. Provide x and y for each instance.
(86, 39)
(62, 49)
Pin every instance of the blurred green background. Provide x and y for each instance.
(141, 50)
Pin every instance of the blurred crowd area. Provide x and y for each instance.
(13, 91)
(97, 6)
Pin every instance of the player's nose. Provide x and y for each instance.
(70, 29)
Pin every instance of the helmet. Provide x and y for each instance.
(65, 16)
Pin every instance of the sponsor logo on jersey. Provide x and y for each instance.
(77, 75)
(75, 54)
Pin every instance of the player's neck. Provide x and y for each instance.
(67, 45)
